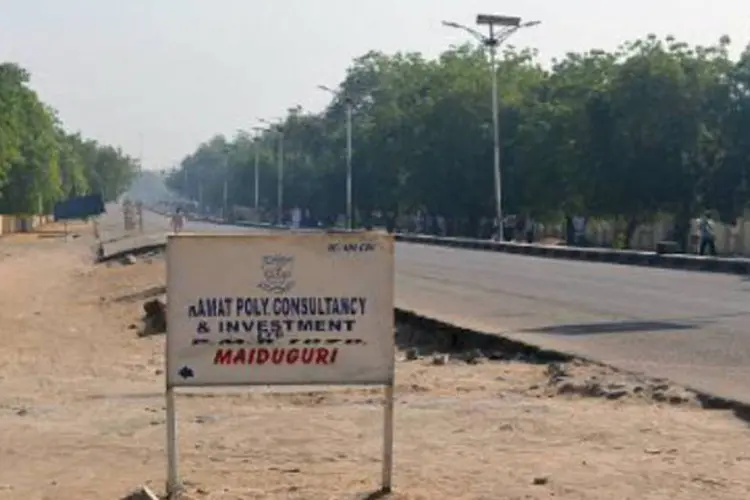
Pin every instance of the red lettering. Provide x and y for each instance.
(239, 357)
(277, 357)
(292, 355)
(223, 357)
(321, 357)
(307, 355)
(263, 356)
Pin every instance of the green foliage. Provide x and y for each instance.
(40, 163)
(654, 127)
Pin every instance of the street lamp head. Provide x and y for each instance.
(272, 123)
(489, 19)
(471, 31)
(530, 24)
(451, 24)
(326, 88)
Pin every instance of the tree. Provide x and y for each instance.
(655, 127)
(40, 163)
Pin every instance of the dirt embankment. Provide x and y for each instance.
(82, 415)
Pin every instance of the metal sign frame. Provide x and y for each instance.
(174, 485)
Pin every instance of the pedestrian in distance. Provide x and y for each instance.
(707, 240)
(178, 221)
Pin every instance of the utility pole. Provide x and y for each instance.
(256, 181)
(349, 209)
(256, 147)
(280, 168)
(140, 152)
(280, 179)
(500, 29)
(349, 103)
(225, 190)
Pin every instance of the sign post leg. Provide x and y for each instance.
(388, 439)
(173, 478)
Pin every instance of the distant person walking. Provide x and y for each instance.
(707, 240)
(529, 227)
(178, 221)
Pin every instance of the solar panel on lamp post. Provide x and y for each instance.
(508, 26)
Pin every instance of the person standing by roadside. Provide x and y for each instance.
(178, 221)
(579, 230)
(707, 240)
(529, 226)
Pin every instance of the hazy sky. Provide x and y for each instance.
(175, 72)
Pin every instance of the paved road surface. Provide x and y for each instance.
(691, 327)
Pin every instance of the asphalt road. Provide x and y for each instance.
(691, 327)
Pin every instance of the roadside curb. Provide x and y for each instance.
(624, 257)
(134, 251)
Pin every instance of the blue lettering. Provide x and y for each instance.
(361, 247)
(251, 306)
(211, 307)
(276, 328)
(319, 306)
(266, 327)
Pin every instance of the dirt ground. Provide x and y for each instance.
(82, 414)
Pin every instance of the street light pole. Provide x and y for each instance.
(508, 26)
(140, 152)
(225, 192)
(280, 179)
(256, 147)
(280, 166)
(256, 183)
(492, 44)
(349, 174)
(349, 211)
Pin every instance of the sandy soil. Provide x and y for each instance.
(82, 415)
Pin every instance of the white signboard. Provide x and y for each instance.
(287, 309)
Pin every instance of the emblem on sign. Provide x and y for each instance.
(277, 273)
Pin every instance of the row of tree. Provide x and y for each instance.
(41, 163)
(655, 127)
